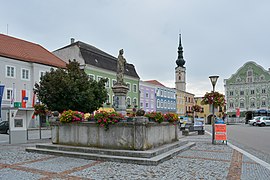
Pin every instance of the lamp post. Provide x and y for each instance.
(213, 80)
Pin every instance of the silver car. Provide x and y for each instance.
(263, 121)
(253, 121)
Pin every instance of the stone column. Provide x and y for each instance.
(120, 93)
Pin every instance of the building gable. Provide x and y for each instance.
(248, 73)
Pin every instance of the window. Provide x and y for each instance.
(263, 103)
(107, 84)
(91, 76)
(147, 95)
(41, 74)
(161, 93)
(99, 78)
(10, 71)
(146, 104)
(113, 82)
(135, 88)
(242, 105)
(231, 105)
(9, 94)
(252, 91)
(252, 104)
(231, 93)
(128, 85)
(134, 101)
(161, 104)
(158, 104)
(25, 74)
(241, 93)
(141, 104)
(128, 100)
(263, 91)
(158, 92)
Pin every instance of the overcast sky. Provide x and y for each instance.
(218, 36)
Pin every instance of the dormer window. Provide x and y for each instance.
(249, 76)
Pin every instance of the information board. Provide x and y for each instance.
(220, 132)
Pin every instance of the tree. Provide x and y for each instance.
(70, 88)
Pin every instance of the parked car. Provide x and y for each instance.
(263, 121)
(4, 127)
(253, 121)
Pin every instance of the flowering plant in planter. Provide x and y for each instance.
(71, 116)
(156, 116)
(214, 98)
(171, 117)
(87, 116)
(104, 119)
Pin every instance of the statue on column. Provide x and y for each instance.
(121, 63)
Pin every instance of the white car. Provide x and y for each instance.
(253, 121)
(263, 121)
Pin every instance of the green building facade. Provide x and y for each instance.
(248, 89)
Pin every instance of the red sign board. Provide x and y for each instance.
(221, 132)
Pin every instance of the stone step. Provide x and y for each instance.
(114, 152)
(155, 160)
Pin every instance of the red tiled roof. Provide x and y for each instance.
(26, 51)
(155, 82)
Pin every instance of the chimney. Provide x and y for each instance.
(72, 40)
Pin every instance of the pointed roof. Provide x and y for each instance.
(155, 82)
(180, 59)
(19, 49)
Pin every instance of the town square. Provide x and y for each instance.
(134, 90)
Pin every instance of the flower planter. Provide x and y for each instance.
(136, 135)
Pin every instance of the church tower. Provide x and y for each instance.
(180, 70)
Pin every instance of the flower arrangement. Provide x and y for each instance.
(71, 116)
(87, 116)
(214, 98)
(196, 108)
(41, 109)
(104, 119)
(156, 116)
(171, 117)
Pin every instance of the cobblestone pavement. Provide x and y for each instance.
(203, 161)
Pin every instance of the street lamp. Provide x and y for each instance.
(213, 80)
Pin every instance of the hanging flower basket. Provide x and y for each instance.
(214, 98)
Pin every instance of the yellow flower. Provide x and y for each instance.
(87, 115)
